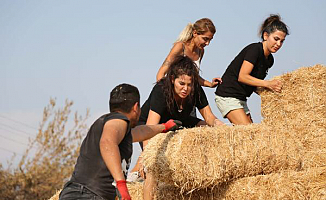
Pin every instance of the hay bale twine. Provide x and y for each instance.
(204, 157)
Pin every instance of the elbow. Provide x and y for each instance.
(241, 78)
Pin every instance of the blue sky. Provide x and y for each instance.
(80, 50)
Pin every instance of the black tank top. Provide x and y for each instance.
(90, 169)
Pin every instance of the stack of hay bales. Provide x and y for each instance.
(283, 157)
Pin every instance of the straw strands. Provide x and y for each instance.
(307, 184)
(302, 103)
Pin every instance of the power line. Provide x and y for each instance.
(13, 140)
(4, 149)
(16, 129)
(18, 122)
(13, 132)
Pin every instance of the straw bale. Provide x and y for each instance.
(55, 196)
(302, 103)
(308, 184)
(204, 157)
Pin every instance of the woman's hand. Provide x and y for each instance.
(274, 85)
(218, 122)
(215, 82)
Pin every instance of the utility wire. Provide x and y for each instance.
(13, 140)
(16, 129)
(18, 122)
(4, 149)
(1, 128)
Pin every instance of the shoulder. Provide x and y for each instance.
(117, 125)
(177, 47)
(115, 115)
(158, 87)
(255, 46)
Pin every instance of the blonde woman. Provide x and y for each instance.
(191, 42)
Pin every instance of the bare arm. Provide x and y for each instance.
(153, 118)
(175, 51)
(209, 117)
(206, 83)
(145, 132)
(113, 133)
(246, 78)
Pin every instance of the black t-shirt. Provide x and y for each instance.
(157, 103)
(90, 169)
(230, 86)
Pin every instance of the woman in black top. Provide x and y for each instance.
(248, 70)
(173, 97)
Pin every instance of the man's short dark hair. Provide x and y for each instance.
(123, 97)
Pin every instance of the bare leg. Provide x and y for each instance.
(239, 117)
(149, 186)
(137, 166)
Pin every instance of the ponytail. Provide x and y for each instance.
(186, 33)
(201, 26)
(271, 24)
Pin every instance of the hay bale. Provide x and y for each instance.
(55, 196)
(204, 157)
(301, 105)
(308, 184)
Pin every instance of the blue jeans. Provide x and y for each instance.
(73, 190)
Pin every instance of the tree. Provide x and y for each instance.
(49, 158)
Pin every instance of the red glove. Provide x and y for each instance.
(122, 187)
(171, 125)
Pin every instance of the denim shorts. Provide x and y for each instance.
(227, 104)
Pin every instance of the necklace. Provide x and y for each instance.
(179, 107)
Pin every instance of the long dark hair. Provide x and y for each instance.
(182, 65)
(271, 24)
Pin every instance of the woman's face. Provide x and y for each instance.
(182, 86)
(203, 40)
(273, 41)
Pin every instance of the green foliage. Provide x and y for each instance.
(50, 157)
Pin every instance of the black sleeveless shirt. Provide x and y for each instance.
(90, 169)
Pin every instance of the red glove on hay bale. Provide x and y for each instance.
(171, 125)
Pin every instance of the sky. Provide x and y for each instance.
(80, 50)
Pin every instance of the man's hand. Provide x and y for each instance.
(171, 125)
(123, 190)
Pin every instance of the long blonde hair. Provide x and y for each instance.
(201, 26)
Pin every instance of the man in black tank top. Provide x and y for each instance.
(105, 153)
